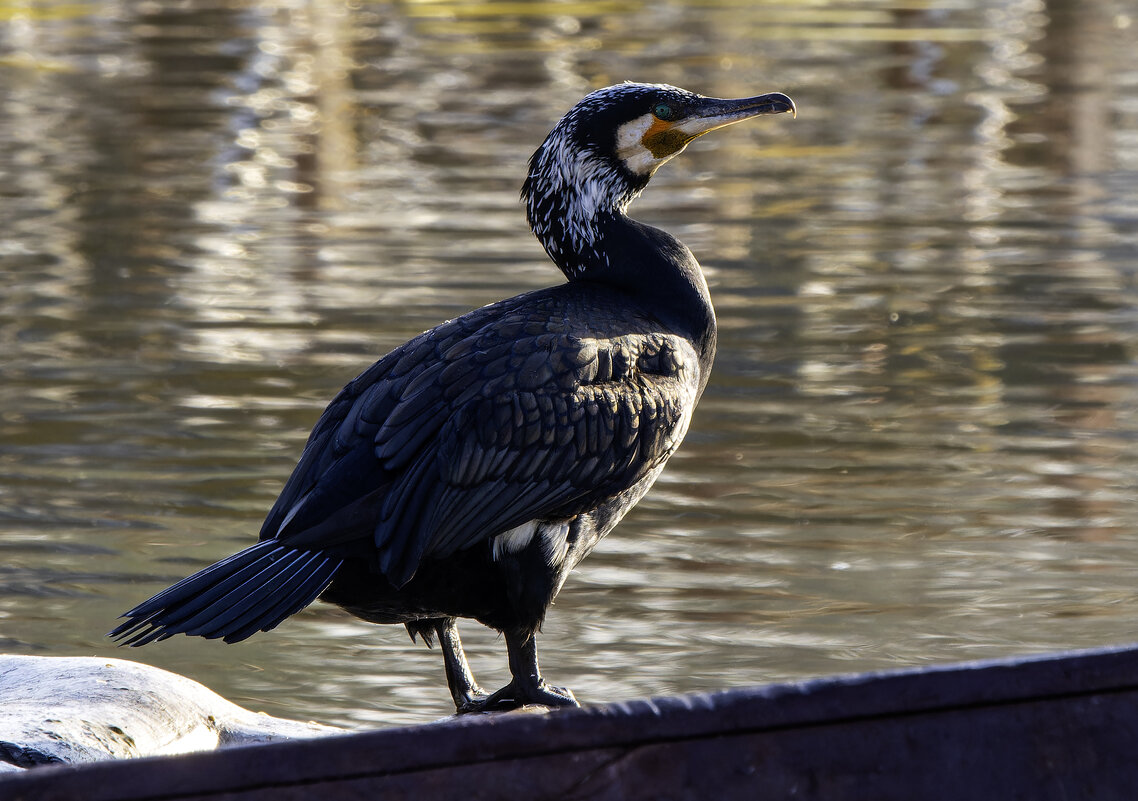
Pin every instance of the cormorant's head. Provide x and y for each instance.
(640, 126)
(602, 153)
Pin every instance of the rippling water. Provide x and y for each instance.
(919, 441)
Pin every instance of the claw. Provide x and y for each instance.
(515, 696)
(527, 688)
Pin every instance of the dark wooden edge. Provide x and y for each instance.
(368, 759)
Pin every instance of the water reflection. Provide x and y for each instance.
(918, 442)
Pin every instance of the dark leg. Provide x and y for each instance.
(527, 687)
(467, 695)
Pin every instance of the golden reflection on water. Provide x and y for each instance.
(917, 444)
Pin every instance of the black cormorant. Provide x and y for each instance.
(468, 471)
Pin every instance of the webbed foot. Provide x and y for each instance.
(517, 694)
(527, 687)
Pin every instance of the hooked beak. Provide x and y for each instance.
(663, 139)
(711, 113)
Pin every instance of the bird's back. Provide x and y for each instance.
(540, 407)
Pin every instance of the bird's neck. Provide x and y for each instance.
(596, 242)
(570, 202)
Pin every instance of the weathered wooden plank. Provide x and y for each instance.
(1057, 727)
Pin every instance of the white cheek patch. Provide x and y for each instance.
(630, 146)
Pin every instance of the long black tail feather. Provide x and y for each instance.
(251, 591)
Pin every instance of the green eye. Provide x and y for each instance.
(663, 111)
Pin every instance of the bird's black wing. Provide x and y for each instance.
(329, 499)
(503, 416)
(498, 418)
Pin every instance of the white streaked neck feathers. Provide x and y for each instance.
(567, 193)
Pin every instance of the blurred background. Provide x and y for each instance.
(919, 442)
